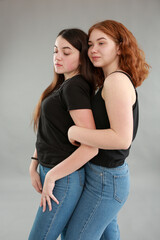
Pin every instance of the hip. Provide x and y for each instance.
(108, 182)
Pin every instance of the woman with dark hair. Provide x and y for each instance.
(114, 49)
(64, 103)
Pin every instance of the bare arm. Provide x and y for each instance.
(35, 178)
(82, 118)
(119, 96)
(83, 154)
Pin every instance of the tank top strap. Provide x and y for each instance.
(126, 75)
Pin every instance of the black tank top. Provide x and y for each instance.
(111, 158)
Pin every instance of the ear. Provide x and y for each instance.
(119, 49)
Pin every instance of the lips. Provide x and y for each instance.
(58, 65)
(95, 58)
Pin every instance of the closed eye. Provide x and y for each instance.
(66, 54)
(101, 43)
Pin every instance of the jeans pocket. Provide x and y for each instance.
(121, 187)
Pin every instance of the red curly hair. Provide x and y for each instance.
(132, 58)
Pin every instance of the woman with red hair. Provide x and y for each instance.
(114, 51)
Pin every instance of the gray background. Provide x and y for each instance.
(28, 29)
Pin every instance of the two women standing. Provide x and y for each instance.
(120, 68)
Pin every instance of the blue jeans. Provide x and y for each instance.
(105, 192)
(50, 224)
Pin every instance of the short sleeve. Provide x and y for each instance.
(76, 93)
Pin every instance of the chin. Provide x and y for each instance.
(59, 72)
(96, 64)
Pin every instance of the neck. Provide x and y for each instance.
(70, 75)
(110, 68)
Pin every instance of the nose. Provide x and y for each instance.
(93, 49)
(57, 56)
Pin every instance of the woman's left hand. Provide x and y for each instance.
(70, 136)
(47, 193)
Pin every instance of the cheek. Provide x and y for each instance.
(109, 53)
(72, 65)
(89, 53)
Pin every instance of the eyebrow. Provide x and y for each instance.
(63, 47)
(102, 38)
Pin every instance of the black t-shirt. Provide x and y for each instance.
(52, 142)
(111, 158)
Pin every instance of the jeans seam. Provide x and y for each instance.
(95, 208)
(90, 217)
(57, 209)
(43, 170)
(80, 178)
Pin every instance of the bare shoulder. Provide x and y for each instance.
(117, 78)
(118, 83)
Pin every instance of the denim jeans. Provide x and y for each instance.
(49, 224)
(105, 192)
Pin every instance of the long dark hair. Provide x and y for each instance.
(78, 39)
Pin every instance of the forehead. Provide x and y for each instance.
(97, 34)
(62, 43)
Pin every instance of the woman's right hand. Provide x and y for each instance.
(35, 178)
